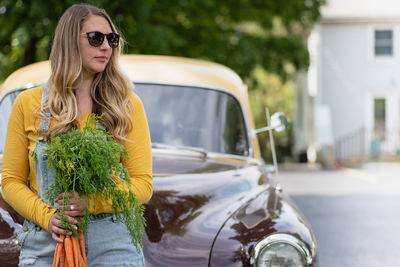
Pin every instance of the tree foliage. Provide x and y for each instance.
(238, 33)
(270, 91)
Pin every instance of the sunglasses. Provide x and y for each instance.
(96, 38)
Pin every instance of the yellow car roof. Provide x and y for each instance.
(147, 68)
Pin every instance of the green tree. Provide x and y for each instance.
(238, 33)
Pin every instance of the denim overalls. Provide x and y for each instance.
(107, 241)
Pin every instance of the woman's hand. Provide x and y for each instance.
(75, 205)
(56, 229)
(72, 205)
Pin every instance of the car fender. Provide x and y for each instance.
(269, 212)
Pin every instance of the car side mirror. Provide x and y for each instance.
(278, 122)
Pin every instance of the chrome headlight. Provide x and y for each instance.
(281, 250)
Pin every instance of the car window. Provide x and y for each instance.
(5, 110)
(196, 117)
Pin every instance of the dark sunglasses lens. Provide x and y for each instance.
(113, 39)
(95, 38)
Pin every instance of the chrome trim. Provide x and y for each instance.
(281, 238)
(197, 85)
(215, 155)
(190, 148)
(264, 129)
(193, 152)
(272, 142)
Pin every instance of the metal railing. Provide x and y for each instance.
(351, 146)
(363, 145)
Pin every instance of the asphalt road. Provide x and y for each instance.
(354, 213)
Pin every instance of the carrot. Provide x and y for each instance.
(69, 254)
(82, 263)
(57, 254)
(75, 249)
(82, 245)
(63, 260)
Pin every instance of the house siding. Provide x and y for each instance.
(348, 76)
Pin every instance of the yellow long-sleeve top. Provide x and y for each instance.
(18, 163)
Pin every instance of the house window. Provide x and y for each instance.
(383, 43)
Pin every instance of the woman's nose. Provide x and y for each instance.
(105, 44)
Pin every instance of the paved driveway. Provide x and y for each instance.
(354, 213)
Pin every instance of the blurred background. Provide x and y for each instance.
(264, 41)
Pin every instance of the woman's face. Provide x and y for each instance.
(94, 59)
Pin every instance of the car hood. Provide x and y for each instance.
(193, 197)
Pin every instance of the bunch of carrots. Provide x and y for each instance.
(70, 253)
(88, 163)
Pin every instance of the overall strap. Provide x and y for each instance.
(45, 122)
(100, 126)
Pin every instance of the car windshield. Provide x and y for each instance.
(195, 117)
(181, 116)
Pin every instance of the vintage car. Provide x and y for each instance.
(215, 202)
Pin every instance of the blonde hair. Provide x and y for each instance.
(110, 90)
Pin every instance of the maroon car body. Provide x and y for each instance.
(212, 213)
(214, 201)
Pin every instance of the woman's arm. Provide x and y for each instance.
(16, 169)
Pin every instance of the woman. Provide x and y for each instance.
(84, 78)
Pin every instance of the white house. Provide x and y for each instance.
(348, 102)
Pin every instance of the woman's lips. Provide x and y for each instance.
(102, 59)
